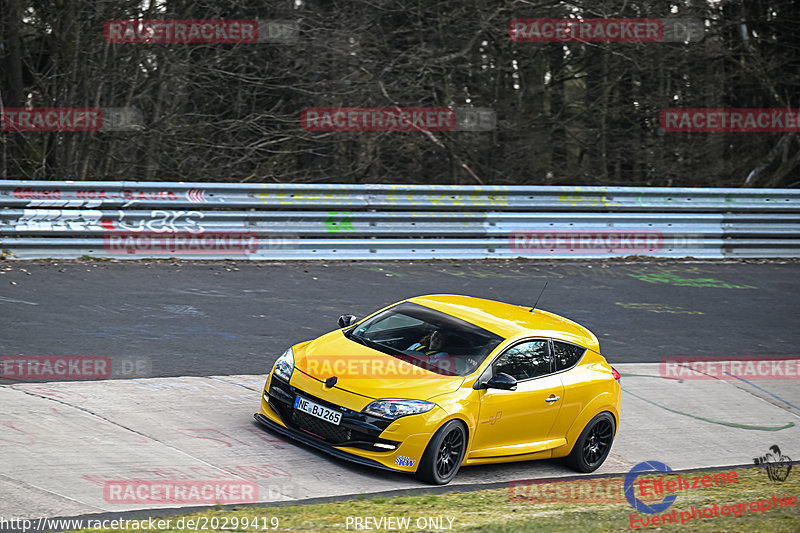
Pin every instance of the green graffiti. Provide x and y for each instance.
(672, 279)
(345, 222)
(658, 308)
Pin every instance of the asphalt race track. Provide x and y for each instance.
(236, 318)
(191, 344)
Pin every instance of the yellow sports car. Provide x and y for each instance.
(436, 382)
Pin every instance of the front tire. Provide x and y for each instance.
(593, 445)
(443, 456)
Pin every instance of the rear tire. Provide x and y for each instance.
(443, 456)
(592, 447)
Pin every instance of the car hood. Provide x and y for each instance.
(362, 370)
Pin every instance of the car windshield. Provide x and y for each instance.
(427, 338)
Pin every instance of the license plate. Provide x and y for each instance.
(320, 411)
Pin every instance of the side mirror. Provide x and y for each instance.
(346, 320)
(502, 381)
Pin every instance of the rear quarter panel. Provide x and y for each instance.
(589, 389)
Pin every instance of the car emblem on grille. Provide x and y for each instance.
(331, 381)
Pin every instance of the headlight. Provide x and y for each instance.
(284, 366)
(392, 408)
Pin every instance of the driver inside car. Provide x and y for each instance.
(431, 344)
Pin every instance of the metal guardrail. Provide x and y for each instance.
(134, 220)
(427, 197)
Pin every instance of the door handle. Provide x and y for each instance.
(552, 399)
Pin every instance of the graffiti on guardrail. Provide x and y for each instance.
(196, 196)
(56, 197)
(490, 196)
(288, 198)
(339, 222)
(159, 221)
(388, 220)
(155, 221)
(392, 198)
(58, 220)
(465, 199)
(28, 193)
(587, 198)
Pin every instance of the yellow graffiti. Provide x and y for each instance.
(391, 197)
(472, 199)
(579, 200)
(295, 198)
(395, 196)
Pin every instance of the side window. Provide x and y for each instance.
(566, 355)
(525, 360)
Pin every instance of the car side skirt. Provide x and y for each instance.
(546, 454)
(518, 449)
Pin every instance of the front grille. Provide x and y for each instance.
(357, 429)
(326, 430)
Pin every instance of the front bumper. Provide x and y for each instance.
(389, 445)
(315, 443)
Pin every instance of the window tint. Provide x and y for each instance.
(566, 355)
(394, 330)
(396, 321)
(525, 360)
